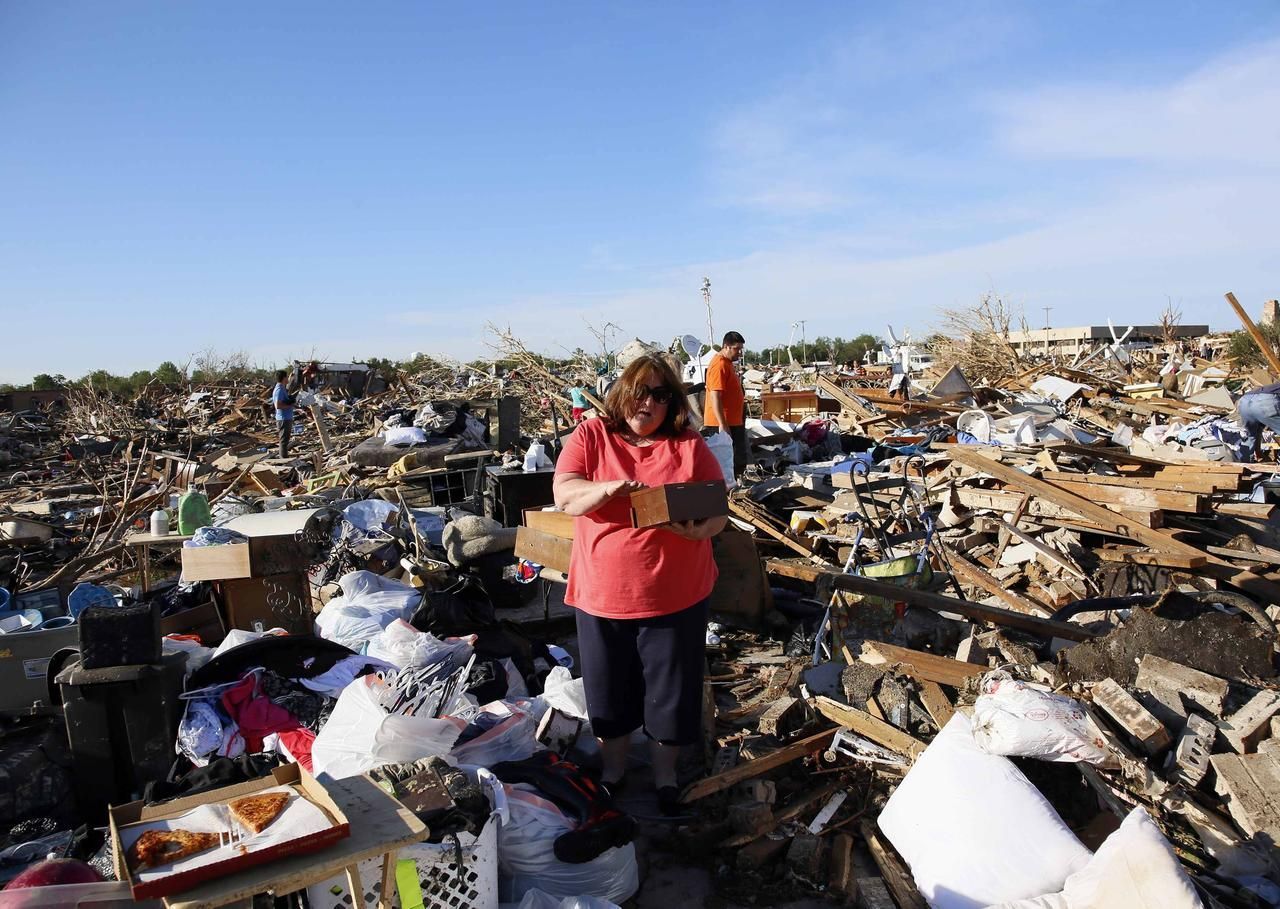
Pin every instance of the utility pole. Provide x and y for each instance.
(706, 299)
(1046, 330)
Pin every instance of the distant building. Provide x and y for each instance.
(1071, 342)
(16, 401)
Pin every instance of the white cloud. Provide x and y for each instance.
(1226, 112)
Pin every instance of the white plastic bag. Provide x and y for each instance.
(721, 445)
(370, 515)
(512, 739)
(565, 693)
(407, 647)
(526, 856)
(1014, 718)
(369, 603)
(361, 735)
(404, 435)
(536, 899)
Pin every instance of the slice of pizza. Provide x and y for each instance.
(158, 847)
(256, 812)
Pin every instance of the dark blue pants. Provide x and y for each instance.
(645, 672)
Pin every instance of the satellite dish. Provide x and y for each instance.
(692, 346)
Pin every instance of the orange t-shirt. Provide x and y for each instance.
(616, 571)
(722, 377)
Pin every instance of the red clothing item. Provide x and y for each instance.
(255, 714)
(722, 377)
(617, 572)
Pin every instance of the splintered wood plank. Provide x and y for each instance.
(1146, 557)
(978, 577)
(753, 768)
(1264, 345)
(936, 702)
(865, 724)
(1180, 482)
(1162, 540)
(892, 869)
(920, 665)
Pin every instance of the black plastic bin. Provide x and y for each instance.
(121, 726)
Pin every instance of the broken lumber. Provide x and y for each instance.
(1264, 346)
(753, 768)
(936, 702)
(866, 725)
(927, 600)
(979, 577)
(892, 869)
(1146, 557)
(920, 665)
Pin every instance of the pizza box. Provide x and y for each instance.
(123, 817)
(678, 502)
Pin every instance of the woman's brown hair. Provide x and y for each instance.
(621, 402)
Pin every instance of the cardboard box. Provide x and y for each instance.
(546, 549)
(289, 775)
(260, 557)
(678, 502)
(24, 662)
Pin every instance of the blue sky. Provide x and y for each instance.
(348, 180)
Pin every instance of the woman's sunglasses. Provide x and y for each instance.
(661, 394)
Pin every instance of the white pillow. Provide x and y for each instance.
(974, 830)
(1136, 868)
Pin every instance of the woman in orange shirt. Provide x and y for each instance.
(640, 595)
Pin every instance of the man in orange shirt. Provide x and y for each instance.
(726, 401)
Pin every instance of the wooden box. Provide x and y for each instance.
(678, 502)
(288, 775)
(278, 601)
(547, 549)
(260, 557)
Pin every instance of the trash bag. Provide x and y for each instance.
(509, 736)
(526, 856)
(407, 647)
(460, 609)
(537, 899)
(361, 735)
(565, 693)
(369, 603)
(1014, 718)
(721, 445)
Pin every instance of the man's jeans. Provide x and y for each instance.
(285, 430)
(1258, 410)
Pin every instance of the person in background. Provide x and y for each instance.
(1257, 409)
(726, 409)
(641, 596)
(283, 402)
(580, 403)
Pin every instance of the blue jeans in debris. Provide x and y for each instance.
(1256, 411)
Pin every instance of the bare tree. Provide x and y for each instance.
(977, 339)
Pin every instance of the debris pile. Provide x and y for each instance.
(983, 625)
